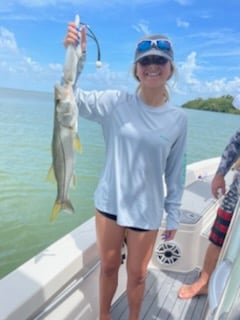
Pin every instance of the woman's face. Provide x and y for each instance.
(153, 71)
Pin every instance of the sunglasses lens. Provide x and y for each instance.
(145, 61)
(144, 45)
(163, 45)
(161, 60)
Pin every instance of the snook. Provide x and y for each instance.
(65, 142)
(65, 139)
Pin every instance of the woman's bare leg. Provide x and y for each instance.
(109, 238)
(140, 247)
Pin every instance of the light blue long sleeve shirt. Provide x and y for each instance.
(144, 146)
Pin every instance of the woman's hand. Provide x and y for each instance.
(73, 36)
(168, 235)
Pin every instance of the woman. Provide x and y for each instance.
(145, 140)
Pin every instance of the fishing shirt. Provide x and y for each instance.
(143, 172)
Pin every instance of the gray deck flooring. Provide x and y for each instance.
(161, 301)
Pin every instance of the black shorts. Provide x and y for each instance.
(113, 217)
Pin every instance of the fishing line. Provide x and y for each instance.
(92, 35)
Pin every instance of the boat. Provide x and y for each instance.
(61, 282)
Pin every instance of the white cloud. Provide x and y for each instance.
(205, 16)
(182, 24)
(187, 68)
(20, 70)
(32, 65)
(7, 40)
(230, 52)
(56, 67)
(191, 87)
(104, 78)
(142, 27)
(223, 86)
(81, 3)
(12, 56)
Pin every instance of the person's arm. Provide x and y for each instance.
(175, 180)
(230, 154)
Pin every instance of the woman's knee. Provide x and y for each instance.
(137, 276)
(109, 269)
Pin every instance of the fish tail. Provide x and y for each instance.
(65, 206)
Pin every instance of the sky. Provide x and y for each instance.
(205, 36)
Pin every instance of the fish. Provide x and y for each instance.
(65, 142)
(65, 139)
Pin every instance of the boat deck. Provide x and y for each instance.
(161, 301)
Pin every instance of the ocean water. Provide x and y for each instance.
(26, 198)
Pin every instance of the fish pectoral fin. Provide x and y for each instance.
(51, 176)
(65, 206)
(77, 144)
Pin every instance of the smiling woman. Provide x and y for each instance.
(145, 139)
(154, 61)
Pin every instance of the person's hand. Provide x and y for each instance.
(218, 185)
(73, 36)
(168, 235)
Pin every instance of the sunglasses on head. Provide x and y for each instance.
(160, 44)
(146, 61)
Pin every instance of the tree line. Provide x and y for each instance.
(221, 104)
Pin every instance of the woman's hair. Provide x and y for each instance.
(167, 90)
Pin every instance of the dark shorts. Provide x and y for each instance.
(224, 216)
(113, 217)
